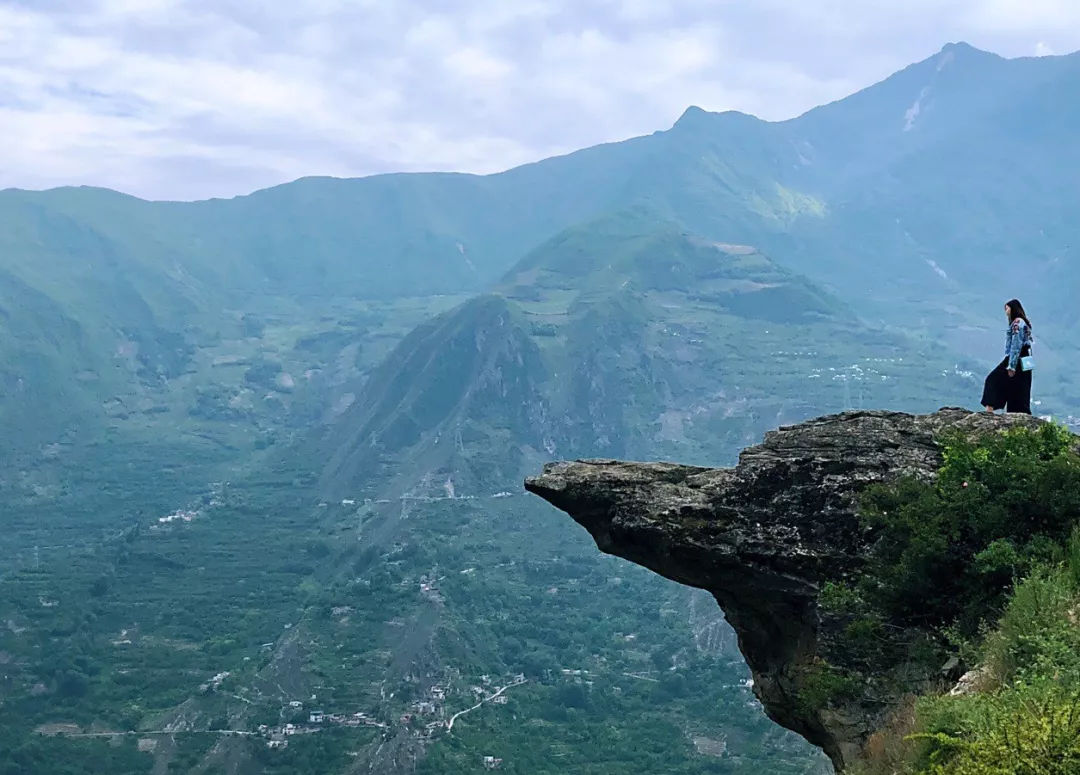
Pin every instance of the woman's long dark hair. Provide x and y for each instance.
(1016, 310)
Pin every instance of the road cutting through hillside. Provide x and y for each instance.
(450, 723)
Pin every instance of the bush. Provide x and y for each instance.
(1026, 721)
(839, 598)
(947, 551)
(1039, 631)
(946, 557)
(823, 685)
(1031, 729)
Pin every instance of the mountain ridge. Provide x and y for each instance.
(691, 112)
(900, 225)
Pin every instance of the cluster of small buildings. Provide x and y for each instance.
(182, 516)
(429, 589)
(425, 708)
(481, 693)
(428, 707)
(214, 683)
(359, 719)
(579, 676)
(278, 737)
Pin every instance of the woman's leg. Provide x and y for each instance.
(996, 389)
(1020, 393)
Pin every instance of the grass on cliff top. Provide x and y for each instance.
(990, 552)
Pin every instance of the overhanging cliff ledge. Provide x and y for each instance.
(763, 537)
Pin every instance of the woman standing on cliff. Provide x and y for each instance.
(1009, 385)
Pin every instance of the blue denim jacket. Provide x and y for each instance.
(1017, 335)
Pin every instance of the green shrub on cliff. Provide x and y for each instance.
(946, 551)
(1021, 714)
(945, 556)
(822, 685)
(1027, 718)
(1027, 730)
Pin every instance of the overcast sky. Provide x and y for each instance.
(185, 99)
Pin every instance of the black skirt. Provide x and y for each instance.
(1013, 394)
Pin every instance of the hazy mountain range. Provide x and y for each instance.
(298, 369)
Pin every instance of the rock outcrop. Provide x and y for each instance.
(763, 538)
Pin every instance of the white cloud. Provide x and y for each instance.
(189, 98)
(472, 62)
(1025, 15)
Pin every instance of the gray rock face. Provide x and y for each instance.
(763, 537)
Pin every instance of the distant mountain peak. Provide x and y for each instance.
(692, 113)
(694, 117)
(960, 46)
(958, 49)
